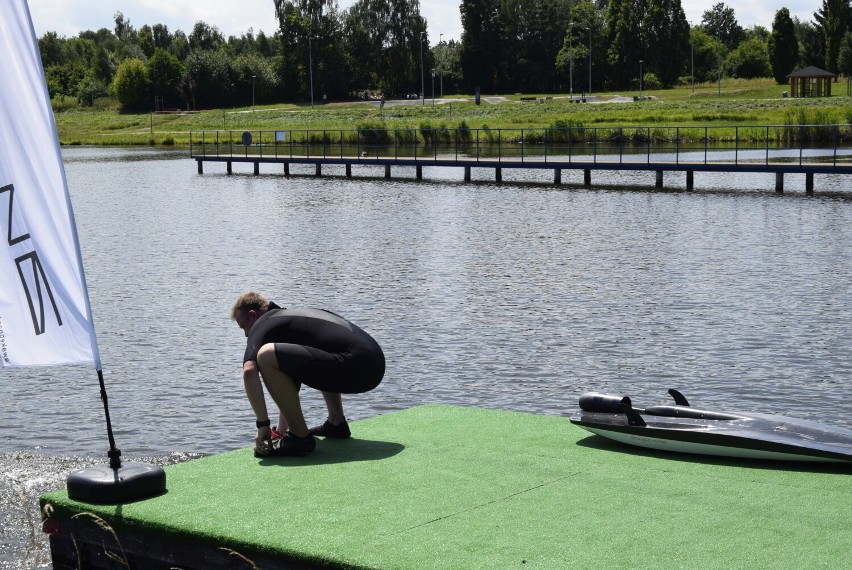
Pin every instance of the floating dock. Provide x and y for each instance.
(440, 486)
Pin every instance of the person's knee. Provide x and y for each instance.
(266, 358)
(267, 362)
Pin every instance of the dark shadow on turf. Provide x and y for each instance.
(330, 451)
(602, 443)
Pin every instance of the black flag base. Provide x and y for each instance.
(110, 485)
(115, 483)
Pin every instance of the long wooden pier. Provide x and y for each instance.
(778, 149)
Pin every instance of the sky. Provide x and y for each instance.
(235, 17)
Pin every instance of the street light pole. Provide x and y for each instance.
(571, 61)
(422, 80)
(640, 79)
(311, 70)
(692, 58)
(433, 87)
(590, 60)
(441, 63)
(252, 92)
(719, 58)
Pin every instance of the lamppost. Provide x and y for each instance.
(719, 58)
(311, 70)
(590, 60)
(433, 87)
(571, 60)
(692, 57)
(422, 80)
(252, 92)
(441, 63)
(640, 79)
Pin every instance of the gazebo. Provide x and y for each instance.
(811, 82)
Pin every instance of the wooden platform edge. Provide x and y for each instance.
(85, 543)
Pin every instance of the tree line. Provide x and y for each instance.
(384, 48)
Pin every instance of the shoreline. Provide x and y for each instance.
(743, 102)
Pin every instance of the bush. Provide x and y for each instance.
(804, 125)
(428, 133)
(62, 103)
(464, 132)
(373, 133)
(651, 81)
(405, 136)
(561, 130)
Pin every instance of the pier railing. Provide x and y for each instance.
(825, 146)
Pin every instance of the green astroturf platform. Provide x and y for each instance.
(441, 486)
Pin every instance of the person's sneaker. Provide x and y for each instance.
(328, 429)
(291, 445)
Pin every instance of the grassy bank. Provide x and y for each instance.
(737, 103)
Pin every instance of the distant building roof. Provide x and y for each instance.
(812, 71)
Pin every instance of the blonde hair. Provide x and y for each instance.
(250, 301)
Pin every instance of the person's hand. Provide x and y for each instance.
(263, 441)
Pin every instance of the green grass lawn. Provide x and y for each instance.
(738, 103)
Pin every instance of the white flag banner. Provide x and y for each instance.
(45, 316)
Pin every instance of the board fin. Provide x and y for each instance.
(633, 417)
(679, 398)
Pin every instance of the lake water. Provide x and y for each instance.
(517, 296)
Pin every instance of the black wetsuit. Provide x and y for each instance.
(319, 349)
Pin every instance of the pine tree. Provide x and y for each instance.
(783, 46)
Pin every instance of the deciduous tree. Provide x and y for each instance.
(584, 16)
(844, 55)
(387, 36)
(481, 48)
(707, 55)
(749, 59)
(834, 20)
(164, 74)
(721, 22)
(652, 31)
(211, 77)
(310, 44)
(667, 34)
(131, 85)
(205, 37)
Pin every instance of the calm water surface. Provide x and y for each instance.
(517, 296)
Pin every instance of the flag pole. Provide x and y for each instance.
(114, 453)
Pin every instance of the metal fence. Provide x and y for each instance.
(825, 145)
